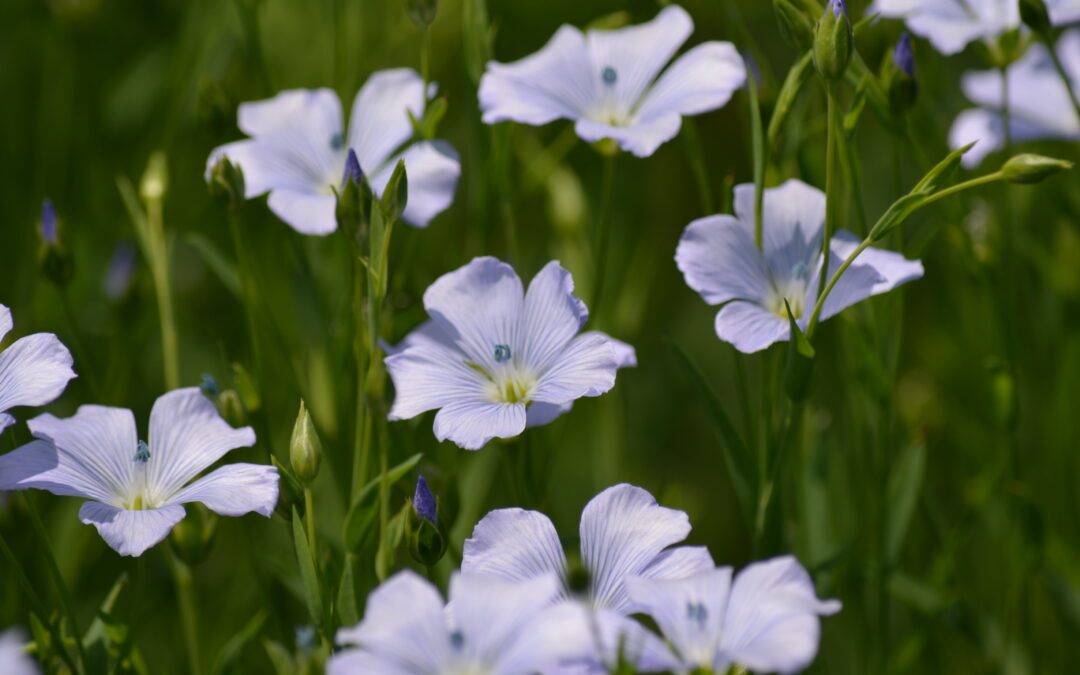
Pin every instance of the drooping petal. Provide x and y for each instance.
(130, 533)
(514, 544)
(380, 123)
(625, 61)
(478, 307)
(892, 268)
(772, 617)
(623, 530)
(432, 169)
(553, 83)
(719, 259)
(187, 435)
(34, 370)
(472, 423)
(428, 375)
(93, 452)
(585, 368)
(700, 80)
(235, 489)
(539, 413)
(793, 215)
(749, 327)
(689, 611)
(552, 315)
(403, 625)
(640, 139)
(307, 213)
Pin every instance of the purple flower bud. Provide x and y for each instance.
(903, 56)
(838, 7)
(424, 501)
(352, 170)
(48, 222)
(120, 272)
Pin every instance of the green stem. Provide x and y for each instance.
(1006, 114)
(425, 61)
(692, 142)
(1064, 77)
(189, 610)
(309, 512)
(361, 442)
(758, 139)
(248, 287)
(784, 447)
(603, 234)
(159, 267)
(832, 140)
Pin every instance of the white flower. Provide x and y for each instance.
(13, 657)
(609, 82)
(1039, 105)
(34, 370)
(138, 488)
(298, 150)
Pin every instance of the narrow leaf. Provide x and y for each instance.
(307, 570)
(362, 514)
(214, 259)
(902, 494)
(346, 597)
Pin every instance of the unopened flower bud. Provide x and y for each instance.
(427, 545)
(898, 77)
(422, 12)
(226, 182)
(1029, 168)
(305, 449)
(1035, 15)
(155, 180)
(231, 408)
(795, 26)
(833, 41)
(424, 502)
(120, 275)
(353, 198)
(55, 259)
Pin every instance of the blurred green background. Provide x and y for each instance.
(935, 489)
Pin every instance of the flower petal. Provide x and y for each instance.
(470, 424)
(305, 212)
(187, 435)
(623, 530)
(981, 127)
(130, 533)
(542, 87)
(749, 327)
(380, 123)
(308, 116)
(772, 617)
(13, 657)
(6, 322)
(585, 368)
(792, 215)
(719, 259)
(514, 544)
(34, 370)
(679, 562)
(592, 641)
(403, 624)
(93, 452)
(552, 315)
(432, 169)
(270, 164)
(700, 80)
(478, 306)
(40, 465)
(892, 268)
(1063, 11)
(427, 376)
(357, 662)
(235, 489)
(855, 285)
(641, 138)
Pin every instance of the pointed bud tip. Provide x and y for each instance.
(305, 448)
(1030, 168)
(48, 222)
(838, 7)
(353, 172)
(904, 56)
(424, 501)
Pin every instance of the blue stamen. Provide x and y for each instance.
(48, 222)
(903, 56)
(337, 141)
(457, 640)
(800, 272)
(609, 75)
(209, 385)
(695, 611)
(502, 353)
(142, 453)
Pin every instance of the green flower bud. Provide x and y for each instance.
(422, 12)
(226, 182)
(305, 449)
(833, 41)
(1029, 168)
(1035, 15)
(898, 77)
(155, 180)
(353, 198)
(55, 259)
(193, 537)
(796, 27)
(231, 408)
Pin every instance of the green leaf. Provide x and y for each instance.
(796, 79)
(395, 195)
(364, 510)
(902, 494)
(384, 556)
(896, 214)
(217, 262)
(228, 659)
(280, 658)
(941, 173)
(308, 574)
(347, 612)
(740, 461)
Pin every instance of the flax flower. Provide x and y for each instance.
(720, 260)
(138, 488)
(616, 83)
(494, 359)
(13, 658)
(298, 148)
(34, 370)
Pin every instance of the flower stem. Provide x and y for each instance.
(1006, 115)
(1064, 75)
(765, 520)
(248, 287)
(159, 267)
(758, 137)
(425, 61)
(189, 610)
(309, 511)
(831, 142)
(603, 234)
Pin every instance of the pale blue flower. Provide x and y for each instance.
(490, 626)
(34, 370)
(616, 83)
(766, 620)
(13, 657)
(138, 488)
(951, 24)
(1039, 105)
(720, 260)
(493, 359)
(624, 532)
(298, 150)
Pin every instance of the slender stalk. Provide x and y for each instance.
(361, 438)
(1064, 75)
(832, 140)
(697, 164)
(247, 284)
(784, 447)
(758, 136)
(159, 267)
(189, 610)
(603, 234)
(1006, 115)
(425, 61)
(309, 512)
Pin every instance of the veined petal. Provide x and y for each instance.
(357, 662)
(855, 285)
(690, 611)
(41, 466)
(6, 322)
(625, 354)
(308, 115)
(432, 169)
(678, 562)
(428, 375)
(478, 306)
(34, 370)
(130, 533)
(403, 624)
(892, 268)
(553, 83)
(539, 413)
(772, 617)
(700, 80)
(552, 315)
(93, 452)
(586, 367)
(305, 212)
(472, 423)
(514, 544)
(270, 164)
(591, 641)
(380, 123)
(640, 138)
(635, 55)
(187, 435)
(749, 327)
(623, 530)
(793, 215)
(719, 259)
(235, 489)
